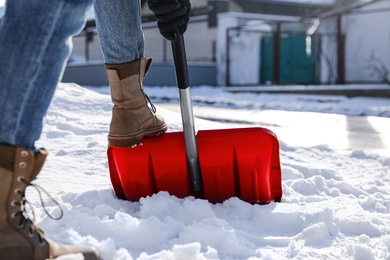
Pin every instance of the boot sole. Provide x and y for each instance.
(135, 139)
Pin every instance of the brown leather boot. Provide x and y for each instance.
(19, 238)
(133, 115)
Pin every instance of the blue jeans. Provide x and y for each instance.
(35, 43)
(118, 24)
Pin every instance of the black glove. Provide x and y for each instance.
(171, 15)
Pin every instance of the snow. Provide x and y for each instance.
(335, 204)
(314, 2)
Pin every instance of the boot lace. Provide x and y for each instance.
(26, 209)
(149, 101)
(151, 104)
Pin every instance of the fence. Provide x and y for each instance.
(260, 57)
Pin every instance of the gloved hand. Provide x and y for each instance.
(171, 15)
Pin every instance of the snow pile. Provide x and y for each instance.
(218, 97)
(334, 205)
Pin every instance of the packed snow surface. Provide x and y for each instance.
(334, 206)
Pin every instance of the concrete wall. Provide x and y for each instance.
(368, 42)
(244, 63)
(245, 54)
(199, 40)
(328, 55)
(200, 43)
(160, 74)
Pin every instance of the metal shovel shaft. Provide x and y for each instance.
(181, 69)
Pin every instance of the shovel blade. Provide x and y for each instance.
(242, 162)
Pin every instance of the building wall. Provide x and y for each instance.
(368, 42)
(244, 48)
(367, 52)
(199, 41)
(327, 35)
(80, 50)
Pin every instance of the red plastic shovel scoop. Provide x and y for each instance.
(212, 164)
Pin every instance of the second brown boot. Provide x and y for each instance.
(133, 115)
(20, 239)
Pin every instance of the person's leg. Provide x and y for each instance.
(34, 46)
(121, 39)
(34, 38)
(119, 29)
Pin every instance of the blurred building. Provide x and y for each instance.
(256, 42)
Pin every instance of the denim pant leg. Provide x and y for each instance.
(35, 43)
(119, 29)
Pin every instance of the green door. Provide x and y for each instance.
(296, 65)
(266, 60)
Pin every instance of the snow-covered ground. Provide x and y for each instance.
(336, 195)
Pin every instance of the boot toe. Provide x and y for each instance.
(57, 250)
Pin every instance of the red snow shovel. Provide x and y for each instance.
(213, 164)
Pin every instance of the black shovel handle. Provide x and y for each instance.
(181, 69)
(180, 60)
